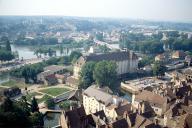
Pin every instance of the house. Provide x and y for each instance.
(179, 55)
(160, 57)
(157, 102)
(77, 118)
(50, 72)
(127, 61)
(55, 69)
(188, 60)
(96, 99)
(72, 81)
(50, 80)
(137, 121)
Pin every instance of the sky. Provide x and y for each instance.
(164, 10)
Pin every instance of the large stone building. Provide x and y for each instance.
(127, 62)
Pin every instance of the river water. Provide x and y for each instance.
(27, 52)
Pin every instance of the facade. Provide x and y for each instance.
(95, 99)
(127, 62)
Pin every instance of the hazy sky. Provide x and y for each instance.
(171, 10)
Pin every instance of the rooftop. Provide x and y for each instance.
(95, 92)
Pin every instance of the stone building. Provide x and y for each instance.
(127, 61)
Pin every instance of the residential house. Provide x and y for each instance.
(50, 73)
(95, 99)
(157, 102)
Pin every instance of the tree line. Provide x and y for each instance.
(5, 51)
(20, 113)
(30, 72)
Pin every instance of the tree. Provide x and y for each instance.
(24, 105)
(105, 73)
(159, 69)
(104, 48)
(146, 60)
(36, 119)
(50, 103)
(8, 46)
(74, 56)
(6, 55)
(99, 36)
(34, 105)
(86, 74)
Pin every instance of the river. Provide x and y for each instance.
(27, 52)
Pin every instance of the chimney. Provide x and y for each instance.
(128, 120)
(104, 119)
(142, 107)
(131, 54)
(71, 107)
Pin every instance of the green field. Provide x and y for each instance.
(54, 91)
(29, 97)
(13, 83)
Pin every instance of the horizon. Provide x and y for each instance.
(150, 10)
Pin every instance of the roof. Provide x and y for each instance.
(51, 79)
(160, 57)
(101, 96)
(112, 56)
(122, 109)
(138, 121)
(179, 54)
(72, 81)
(188, 71)
(122, 123)
(151, 97)
(54, 68)
(75, 117)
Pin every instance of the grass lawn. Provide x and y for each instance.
(54, 91)
(13, 83)
(45, 97)
(29, 97)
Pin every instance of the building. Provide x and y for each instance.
(160, 57)
(50, 73)
(96, 99)
(179, 55)
(127, 62)
(157, 102)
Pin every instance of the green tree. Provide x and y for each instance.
(6, 55)
(50, 103)
(74, 56)
(146, 60)
(8, 46)
(34, 105)
(104, 48)
(87, 74)
(159, 69)
(105, 73)
(36, 119)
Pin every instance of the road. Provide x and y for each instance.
(18, 64)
